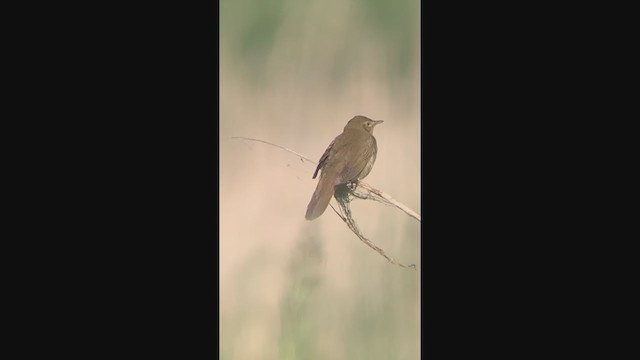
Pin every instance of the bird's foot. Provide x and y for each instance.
(352, 186)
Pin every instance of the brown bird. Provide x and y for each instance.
(349, 158)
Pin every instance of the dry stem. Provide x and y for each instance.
(362, 191)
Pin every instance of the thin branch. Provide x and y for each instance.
(278, 146)
(372, 193)
(354, 228)
(362, 191)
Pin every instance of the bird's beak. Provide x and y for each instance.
(376, 122)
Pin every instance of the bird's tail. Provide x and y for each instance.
(320, 199)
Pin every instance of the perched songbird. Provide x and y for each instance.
(349, 158)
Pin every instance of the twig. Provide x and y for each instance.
(362, 191)
(354, 228)
(378, 195)
(381, 196)
(278, 146)
(343, 197)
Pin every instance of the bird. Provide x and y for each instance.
(349, 158)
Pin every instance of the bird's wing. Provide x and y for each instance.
(323, 158)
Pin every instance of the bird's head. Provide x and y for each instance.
(362, 122)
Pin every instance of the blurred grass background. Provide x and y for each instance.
(293, 72)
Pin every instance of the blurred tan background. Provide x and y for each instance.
(293, 73)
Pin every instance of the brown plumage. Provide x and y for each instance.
(349, 157)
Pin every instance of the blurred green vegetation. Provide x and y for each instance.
(249, 27)
(298, 329)
(396, 24)
(287, 66)
(249, 30)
